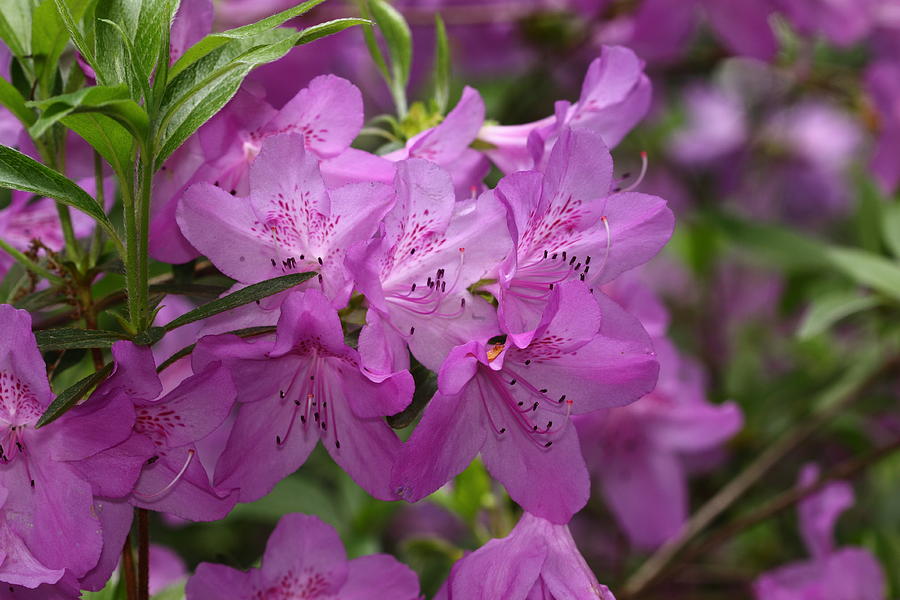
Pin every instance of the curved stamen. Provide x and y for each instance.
(640, 176)
(171, 484)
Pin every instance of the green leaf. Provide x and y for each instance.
(217, 40)
(72, 395)
(778, 245)
(49, 37)
(68, 339)
(867, 269)
(143, 23)
(20, 172)
(249, 294)
(202, 89)
(311, 34)
(113, 102)
(868, 213)
(113, 141)
(890, 228)
(441, 66)
(15, 103)
(398, 37)
(825, 311)
(15, 25)
(71, 24)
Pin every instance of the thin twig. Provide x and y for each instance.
(143, 519)
(832, 401)
(128, 570)
(845, 470)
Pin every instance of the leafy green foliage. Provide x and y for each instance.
(216, 40)
(200, 90)
(67, 339)
(441, 66)
(249, 294)
(111, 101)
(21, 172)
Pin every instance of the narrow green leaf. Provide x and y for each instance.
(72, 395)
(68, 339)
(20, 172)
(112, 101)
(320, 30)
(249, 294)
(15, 25)
(827, 310)
(15, 103)
(201, 90)
(217, 40)
(108, 137)
(129, 52)
(77, 37)
(441, 66)
(398, 37)
(867, 269)
(868, 213)
(776, 244)
(890, 228)
(372, 43)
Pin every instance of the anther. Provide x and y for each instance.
(548, 444)
(320, 260)
(281, 393)
(412, 330)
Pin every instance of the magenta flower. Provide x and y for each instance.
(569, 224)
(537, 560)
(416, 273)
(832, 573)
(168, 424)
(48, 518)
(638, 452)
(290, 223)
(883, 84)
(513, 404)
(661, 30)
(328, 114)
(447, 144)
(304, 386)
(615, 96)
(304, 558)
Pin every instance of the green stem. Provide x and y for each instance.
(65, 219)
(146, 190)
(131, 251)
(30, 264)
(97, 239)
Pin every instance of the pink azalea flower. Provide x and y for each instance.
(49, 521)
(513, 404)
(416, 273)
(638, 452)
(615, 96)
(537, 560)
(290, 223)
(304, 558)
(832, 573)
(328, 114)
(569, 224)
(883, 84)
(303, 386)
(168, 424)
